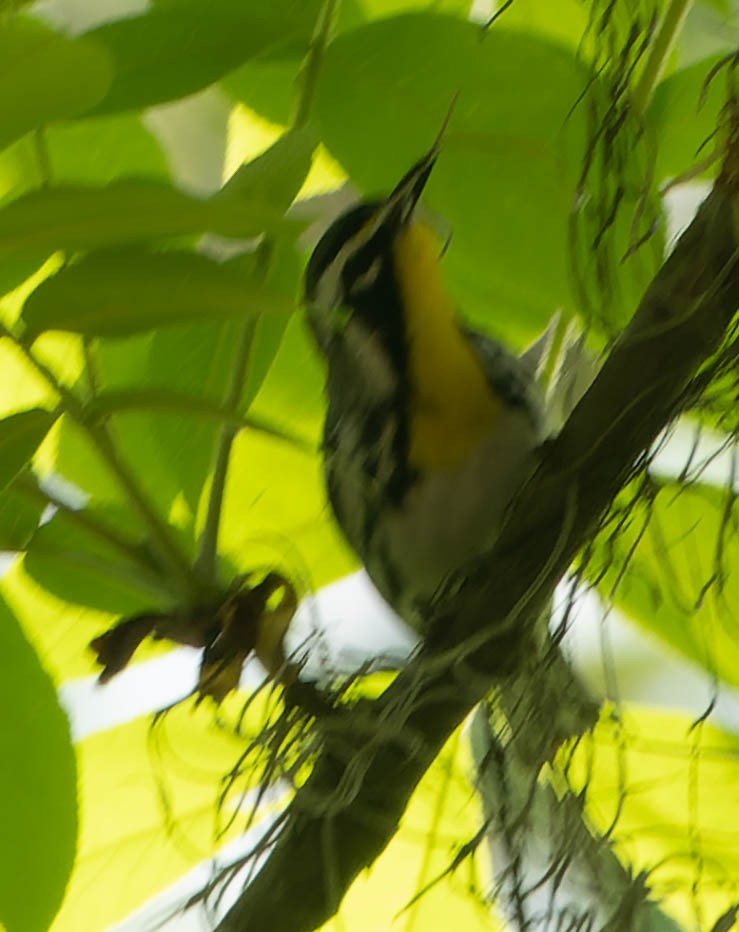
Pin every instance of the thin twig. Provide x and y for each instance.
(313, 62)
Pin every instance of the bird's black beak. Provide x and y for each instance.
(399, 207)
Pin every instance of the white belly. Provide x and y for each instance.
(448, 519)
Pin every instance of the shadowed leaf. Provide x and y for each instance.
(118, 294)
(20, 436)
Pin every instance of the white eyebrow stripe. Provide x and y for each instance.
(328, 288)
(368, 277)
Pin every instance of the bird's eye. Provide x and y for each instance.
(365, 280)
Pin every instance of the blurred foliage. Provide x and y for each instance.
(668, 559)
(37, 787)
(129, 302)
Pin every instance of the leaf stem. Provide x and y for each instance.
(659, 51)
(313, 61)
(161, 533)
(205, 564)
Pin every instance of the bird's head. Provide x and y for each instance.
(357, 267)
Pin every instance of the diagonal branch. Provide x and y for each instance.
(351, 805)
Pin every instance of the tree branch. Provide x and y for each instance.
(350, 806)
(547, 862)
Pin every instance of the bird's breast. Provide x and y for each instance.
(450, 403)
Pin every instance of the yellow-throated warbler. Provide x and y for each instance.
(430, 425)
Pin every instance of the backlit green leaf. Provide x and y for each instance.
(683, 118)
(46, 76)
(650, 779)
(194, 359)
(564, 21)
(681, 580)
(38, 787)
(197, 360)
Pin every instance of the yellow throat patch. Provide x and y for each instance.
(452, 405)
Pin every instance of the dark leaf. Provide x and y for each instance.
(78, 566)
(19, 518)
(115, 647)
(122, 293)
(248, 622)
(177, 48)
(73, 218)
(20, 436)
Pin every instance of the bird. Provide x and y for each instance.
(431, 426)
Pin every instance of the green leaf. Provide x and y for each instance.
(505, 177)
(76, 460)
(19, 518)
(80, 217)
(682, 122)
(127, 774)
(636, 776)
(275, 176)
(121, 363)
(275, 514)
(46, 77)
(564, 21)
(667, 587)
(268, 87)
(710, 28)
(97, 151)
(196, 360)
(291, 396)
(179, 47)
(38, 787)
(78, 566)
(268, 335)
(15, 270)
(720, 6)
(375, 9)
(20, 436)
(121, 293)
